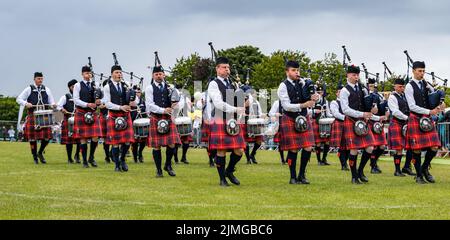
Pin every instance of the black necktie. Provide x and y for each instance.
(160, 87)
(118, 89)
(356, 88)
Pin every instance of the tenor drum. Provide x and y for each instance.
(325, 126)
(184, 126)
(43, 119)
(141, 127)
(70, 124)
(256, 127)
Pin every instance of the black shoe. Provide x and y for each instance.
(408, 171)
(325, 162)
(135, 159)
(117, 169)
(107, 160)
(363, 178)
(356, 181)
(70, 161)
(303, 180)
(293, 181)
(41, 158)
(224, 183)
(420, 180)
(170, 171)
(124, 166)
(232, 178)
(93, 163)
(77, 161)
(141, 159)
(77, 158)
(399, 174)
(427, 175)
(159, 173)
(211, 164)
(375, 170)
(345, 168)
(85, 165)
(283, 163)
(183, 160)
(253, 159)
(249, 161)
(36, 160)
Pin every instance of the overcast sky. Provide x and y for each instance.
(56, 37)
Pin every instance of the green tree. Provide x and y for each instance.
(9, 109)
(242, 58)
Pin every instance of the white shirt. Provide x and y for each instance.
(334, 107)
(214, 98)
(11, 133)
(107, 97)
(22, 98)
(393, 107)
(76, 94)
(409, 92)
(62, 101)
(283, 96)
(345, 104)
(274, 109)
(253, 101)
(150, 105)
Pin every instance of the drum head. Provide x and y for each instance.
(141, 122)
(183, 120)
(43, 112)
(256, 121)
(326, 121)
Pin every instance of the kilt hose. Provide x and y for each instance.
(103, 124)
(316, 132)
(65, 139)
(116, 137)
(337, 139)
(290, 139)
(416, 139)
(250, 139)
(31, 134)
(156, 140)
(220, 140)
(378, 139)
(352, 140)
(82, 130)
(397, 141)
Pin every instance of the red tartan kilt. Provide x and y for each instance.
(250, 139)
(104, 125)
(115, 137)
(65, 139)
(83, 130)
(396, 140)
(337, 137)
(277, 137)
(290, 139)
(158, 140)
(220, 140)
(205, 132)
(186, 138)
(378, 139)
(416, 139)
(352, 140)
(317, 137)
(32, 134)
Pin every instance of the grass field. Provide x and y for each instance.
(61, 191)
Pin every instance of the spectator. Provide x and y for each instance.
(12, 134)
(4, 133)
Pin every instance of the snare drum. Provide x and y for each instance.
(184, 126)
(141, 127)
(43, 119)
(70, 126)
(325, 125)
(256, 127)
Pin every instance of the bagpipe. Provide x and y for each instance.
(98, 89)
(374, 99)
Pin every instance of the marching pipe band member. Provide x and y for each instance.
(139, 144)
(321, 109)
(120, 127)
(206, 118)
(159, 106)
(352, 103)
(275, 113)
(185, 106)
(252, 109)
(223, 136)
(104, 127)
(36, 94)
(87, 124)
(337, 137)
(398, 105)
(67, 107)
(380, 140)
(295, 104)
(417, 92)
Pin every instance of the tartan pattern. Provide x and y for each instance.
(378, 139)
(316, 131)
(416, 139)
(277, 137)
(186, 138)
(396, 140)
(220, 140)
(158, 140)
(205, 132)
(115, 137)
(352, 140)
(32, 134)
(103, 124)
(337, 137)
(290, 139)
(247, 138)
(83, 130)
(65, 139)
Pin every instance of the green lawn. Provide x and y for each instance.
(61, 191)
